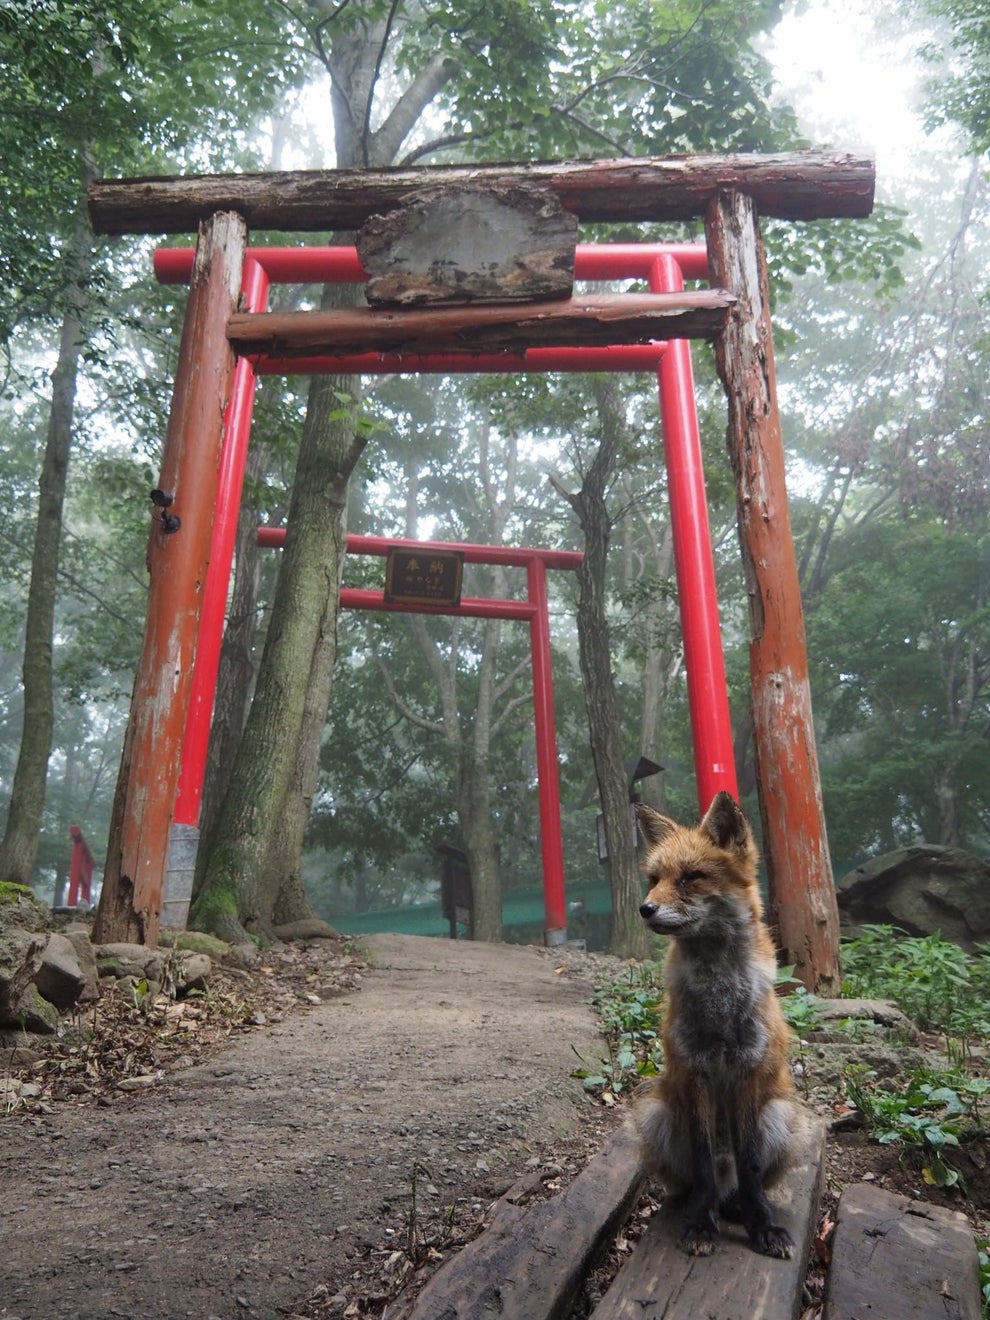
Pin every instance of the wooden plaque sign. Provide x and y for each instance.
(415, 577)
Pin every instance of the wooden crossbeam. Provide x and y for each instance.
(574, 322)
(802, 185)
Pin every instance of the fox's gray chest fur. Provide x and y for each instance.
(720, 1030)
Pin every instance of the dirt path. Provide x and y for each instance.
(244, 1186)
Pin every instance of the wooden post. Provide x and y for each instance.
(130, 904)
(802, 893)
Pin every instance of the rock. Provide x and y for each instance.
(923, 889)
(34, 1013)
(20, 957)
(192, 970)
(86, 954)
(135, 960)
(143, 1082)
(19, 907)
(311, 928)
(195, 940)
(60, 979)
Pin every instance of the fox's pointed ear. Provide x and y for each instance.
(725, 824)
(652, 825)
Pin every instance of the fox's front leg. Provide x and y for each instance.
(701, 1234)
(759, 1141)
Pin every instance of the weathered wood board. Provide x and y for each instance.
(798, 185)
(470, 244)
(601, 319)
(736, 1283)
(898, 1259)
(529, 1264)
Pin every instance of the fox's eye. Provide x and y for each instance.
(688, 877)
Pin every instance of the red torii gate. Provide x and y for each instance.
(729, 193)
(664, 267)
(534, 611)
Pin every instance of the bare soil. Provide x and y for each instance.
(315, 1135)
(319, 1152)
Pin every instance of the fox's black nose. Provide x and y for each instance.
(647, 910)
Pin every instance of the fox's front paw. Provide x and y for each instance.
(774, 1241)
(699, 1238)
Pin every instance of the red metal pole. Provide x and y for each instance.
(319, 265)
(475, 607)
(509, 555)
(708, 697)
(620, 357)
(233, 458)
(75, 866)
(551, 844)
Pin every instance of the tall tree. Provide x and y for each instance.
(85, 84)
(629, 937)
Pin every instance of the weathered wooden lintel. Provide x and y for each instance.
(802, 185)
(591, 321)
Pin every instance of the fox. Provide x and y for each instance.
(718, 1124)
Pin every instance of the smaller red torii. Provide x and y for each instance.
(533, 611)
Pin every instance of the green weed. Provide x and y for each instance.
(628, 1009)
(935, 1111)
(939, 985)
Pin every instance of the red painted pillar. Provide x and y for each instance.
(708, 697)
(551, 844)
(802, 906)
(233, 459)
(131, 900)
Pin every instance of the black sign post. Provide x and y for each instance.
(423, 577)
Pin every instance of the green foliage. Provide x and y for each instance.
(935, 982)
(628, 1009)
(900, 641)
(801, 1009)
(959, 91)
(983, 1252)
(927, 1115)
(550, 79)
(870, 250)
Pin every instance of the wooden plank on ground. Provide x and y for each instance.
(528, 1265)
(736, 1283)
(894, 1257)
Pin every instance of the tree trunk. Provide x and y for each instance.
(252, 873)
(629, 937)
(474, 809)
(282, 879)
(19, 848)
(238, 891)
(660, 632)
(235, 675)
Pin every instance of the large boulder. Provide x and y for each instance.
(922, 890)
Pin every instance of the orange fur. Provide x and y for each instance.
(717, 1125)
